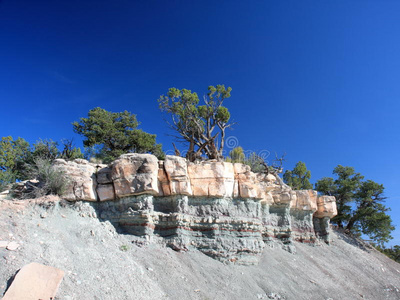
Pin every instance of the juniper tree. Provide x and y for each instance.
(202, 127)
(359, 204)
(299, 177)
(116, 134)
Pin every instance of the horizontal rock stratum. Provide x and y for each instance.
(220, 208)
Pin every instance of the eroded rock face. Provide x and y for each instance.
(135, 174)
(211, 179)
(326, 207)
(82, 179)
(220, 208)
(229, 230)
(177, 173)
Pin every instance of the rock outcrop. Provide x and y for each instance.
(220, 208)
(82, 181)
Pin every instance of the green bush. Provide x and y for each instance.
(50, 180)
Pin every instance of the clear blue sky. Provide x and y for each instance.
(318, 80)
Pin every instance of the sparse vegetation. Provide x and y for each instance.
(114, 134)
(202, 127)
(299, 177)
(18, 158)
(124, 248)
(46, 180)
(359, 204)
(392, 252)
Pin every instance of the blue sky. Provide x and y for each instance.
(318, 80)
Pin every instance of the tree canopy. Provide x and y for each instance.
(18, 156)
(359, 204)
(116, 133)
(299, 177)
(202, 127)
(13, 154)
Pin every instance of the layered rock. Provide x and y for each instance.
(135, 174)
(82, 181)
(211, 179)
(223, 209)
(177, 174)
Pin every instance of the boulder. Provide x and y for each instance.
(105, 192)
(104, 175)
(326, 207)
(266, 183)
(176, 170)
(246, 184)
(283, 198)
(212, 179)
(135, 174)
(81, 179)
(35, 281)
(304, 200)
(267, 199)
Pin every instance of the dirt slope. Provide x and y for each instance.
(101, 264)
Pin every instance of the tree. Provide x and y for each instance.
(392, 252)
(257, 163)
(202, 127)
(298, 178)
(45, 149)
(13, 155)
(359, 204)
(116, 133)
(343, 188)
(70, 152)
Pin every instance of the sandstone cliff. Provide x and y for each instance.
(222, 209)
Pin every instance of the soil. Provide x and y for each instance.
(100, 263)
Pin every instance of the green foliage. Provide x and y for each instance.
(343, 188)
(69, 152)
(256, 163)
(13, 154)
(124, 248)
(359, 204)
(116, 133)
(7, 177)
(202, 127)
(51, 180)
(393, 252)
(236, 155)
(45, 149)
(298, 178)
(17, 157)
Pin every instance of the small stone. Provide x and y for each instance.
(63, 216)
(150, 269)
(12, 246)
(43, 215)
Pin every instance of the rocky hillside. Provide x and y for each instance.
(222, 209)
(100, 263)
(140, 228)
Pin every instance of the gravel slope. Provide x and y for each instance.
(101, 264)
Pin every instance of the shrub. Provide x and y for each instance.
(50, 181)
